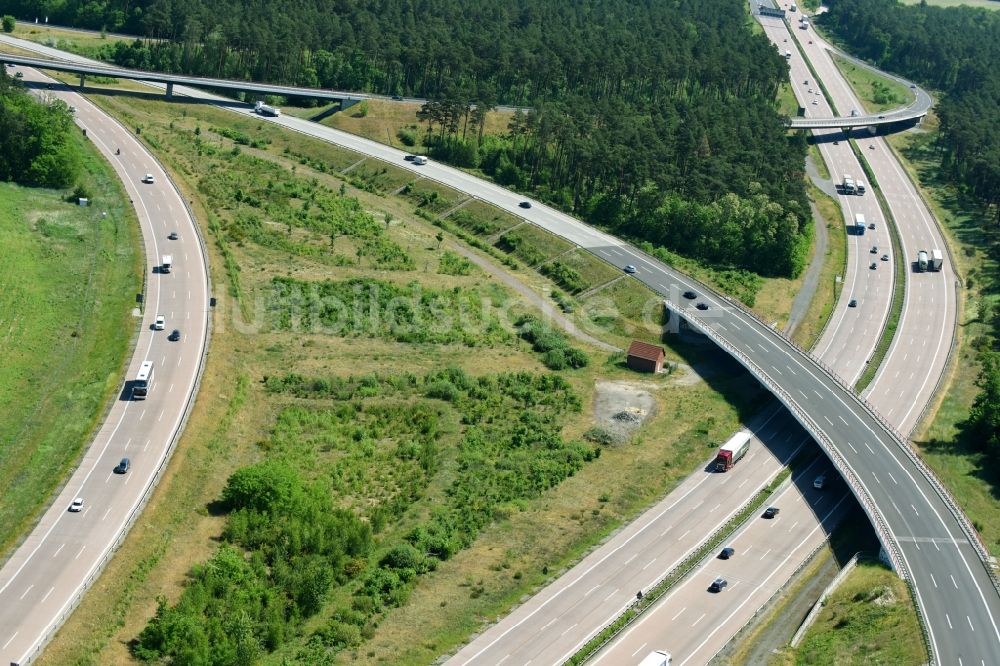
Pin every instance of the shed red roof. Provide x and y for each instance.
(646, 351)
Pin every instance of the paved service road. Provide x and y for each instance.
(42, 581)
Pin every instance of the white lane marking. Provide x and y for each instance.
(648, 564)
(684, 535)
(568, 629)
(852, 447)
(51, 590)
(933, 580)
(869, 448)
(550, 623)
(641, 647)
(591, 590)
(58, 550)
(775, 368)
(147, 444)
(953, 581)
(892, 477)
(915, 510)
(170, 390)
(25, 593)
(793, 526)
(142, 414)
(970, 622)
(790, 370)
(505, 657)
(631, 558)
(804, 396)
(105, 514)
(612, 594)
(681, 612)
(82, 548)
(876, 479)
(828, 419)
(818, 394)
(765, 554)
(160, 417)
(842, 419)
(13, 636)
(949, 621)
(699, 619)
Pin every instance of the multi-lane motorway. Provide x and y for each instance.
(43, 580)
(850, 360)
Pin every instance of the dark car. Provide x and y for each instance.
(718, 585)
(172, 235)
(690, 295)
(525, 204)
(874, 249)
(853, 303)
(409, 158)
(871, 225)
(19, 75)
(398, 98)
(727, 553)
(873, 266)
(771, 512)
(702, 306)
(123, 466)
(175, 335)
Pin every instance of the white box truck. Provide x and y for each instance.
(656, 658)
(937, 260)
(730, 453)
(420, 159)
(166, 264)
(859, 224)
(848, 184)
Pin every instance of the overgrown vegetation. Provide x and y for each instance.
(36, 148)
(381, 450)
(374, 308)
(556, 352)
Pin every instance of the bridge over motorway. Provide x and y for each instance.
(346, 99)
(928, 540)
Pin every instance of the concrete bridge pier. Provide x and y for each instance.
(170, 90)
(82, 76)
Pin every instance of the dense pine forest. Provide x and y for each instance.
(653, 119)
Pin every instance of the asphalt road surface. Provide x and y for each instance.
(42, 581)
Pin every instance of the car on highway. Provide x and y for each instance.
(173, 235)
(148, 178)
(854, 113)
(810, 91)
(72, 109)
(885, 257)
(881, 117)
(874, 265)
(771, 512)
(397, 98)
(122, 467)
(815, 103)
(690, 295)
(175, 335)
(160, 323)
(820, 481)
(853, 303)
(836, 143)
(871, 225)
(874, 249)
(77, 505)
(810, 41)
(525, 204)
(726, 553)
(806, 82)
(871, 146)
(629, 269)
(410, 158)
(19, 75)
(718, 585)
(702, 306)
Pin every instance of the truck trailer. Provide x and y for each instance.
(730, 453)
(848, 184)
(266, 110)
(859, 224)
(937, 260)
(656, 658)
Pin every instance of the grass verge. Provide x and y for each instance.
(69, 275)
(877, 93)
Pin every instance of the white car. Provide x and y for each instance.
(148, 178)
(160, 323)
(77, 505)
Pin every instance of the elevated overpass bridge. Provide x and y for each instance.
(926, 537)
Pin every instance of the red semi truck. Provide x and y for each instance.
(731, 452)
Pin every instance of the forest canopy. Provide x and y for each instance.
(666, 99)
(35, 144)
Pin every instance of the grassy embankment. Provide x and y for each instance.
(877, 93)
(530, 540)
(69, 277)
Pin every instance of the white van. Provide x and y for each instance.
(420, 159)
(860, 187)
(167, 263)
(656, 658)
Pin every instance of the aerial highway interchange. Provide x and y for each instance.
(692, 624)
